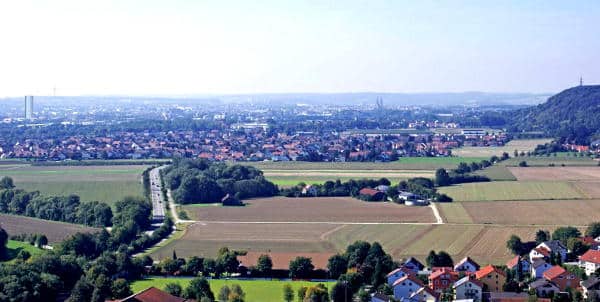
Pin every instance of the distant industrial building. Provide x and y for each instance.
(28, 107)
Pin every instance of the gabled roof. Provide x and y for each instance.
(538, 262)
(416, 262)
(466, 279)
(369, 191)
(542, 251)
(488, 270)
(400, 269)
(553, 245)
(513, 262)
(153, 294)
(554, 272)
(592, 256)
(465, 260)
(408, 277)
(424, 289)
(441, 272)
(591, 282)
(541, 283)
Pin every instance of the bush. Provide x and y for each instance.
(523, 164)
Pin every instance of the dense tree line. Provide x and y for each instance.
(335, 188)
(57, 208)
(461, 173)
(202, 181)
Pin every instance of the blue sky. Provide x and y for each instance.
(197, 47)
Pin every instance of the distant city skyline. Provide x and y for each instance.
(241, 47)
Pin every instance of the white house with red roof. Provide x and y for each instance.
(561, 277)
(590, 261)
(406, 287)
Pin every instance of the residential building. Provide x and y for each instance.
(561, 277)
(492, 278)
(467, 288)
(538, 267)
(406, 286)
(466, 265)
(544, 288)
(442, 279)
(590, 261)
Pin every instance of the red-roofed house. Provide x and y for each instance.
(591, 261)
(492, 278)
(153, 294)
(561, 277)
(371, 194)
(519, 262)
(539, 253)
(442, 279)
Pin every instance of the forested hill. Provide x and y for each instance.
(572, 115)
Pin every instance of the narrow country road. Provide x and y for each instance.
(436, 213)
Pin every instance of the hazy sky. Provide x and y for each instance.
(194, 47)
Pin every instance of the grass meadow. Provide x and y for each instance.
(256, 290)
(512, 190)
(101, 183)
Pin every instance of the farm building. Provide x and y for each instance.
(371, 194)
(152, 294)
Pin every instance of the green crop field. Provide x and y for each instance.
(550, 160)
(256, 290)
(510, 147)
(512, 190)
(101, 183)
(497, 173)
(404, 163)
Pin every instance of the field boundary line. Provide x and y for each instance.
(325, 234)
(389, 223)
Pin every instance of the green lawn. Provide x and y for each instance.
(545, 161)
(497, 173)
(101, 183)
(512, 190)
(256, 290)
(404, 163)
(14, 247)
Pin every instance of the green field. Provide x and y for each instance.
(496, 173)
(101, 183)
(512, 190)
(404, 163)
(256, 290)
(545, 161)
(14, 247)
(510, 147)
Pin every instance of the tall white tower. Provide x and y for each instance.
(28, 107)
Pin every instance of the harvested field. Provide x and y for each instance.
(450, 238)
(512, 190)
(100, 183)
(205, 239)
(393, 238)
(55, 231)
(520, 145)
(282, 260)
(556, 173)
(482, 251)
(589, 188)
(527, 212)
(316, 209)
(454, 212)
